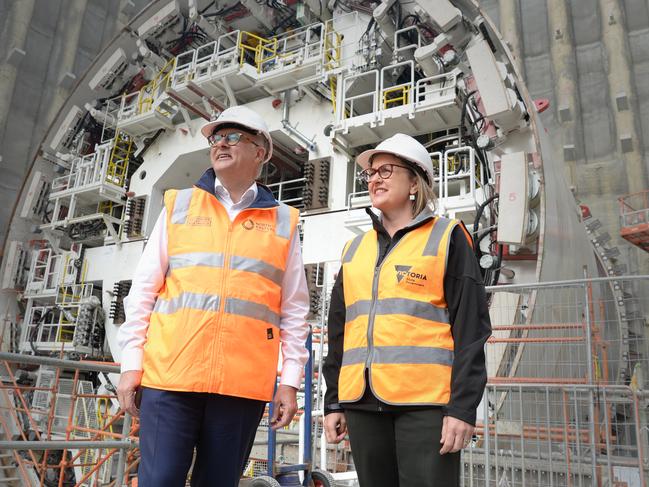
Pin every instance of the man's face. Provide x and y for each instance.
(241, 160)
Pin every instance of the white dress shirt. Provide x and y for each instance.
(150, 275)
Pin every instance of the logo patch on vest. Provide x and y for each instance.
(414, 278)
(199, 221)
(261, 227)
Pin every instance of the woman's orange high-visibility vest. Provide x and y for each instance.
(397, 321)
(215, 325)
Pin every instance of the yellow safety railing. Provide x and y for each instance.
(331, 53)
(65, 332)
(263, 50)
(103, 415)
(455, 162)
(119, 158)
(105, 207)
(396, 96)
(153, 88)
(70, 293)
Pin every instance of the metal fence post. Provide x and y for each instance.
(485, 411)
(121, 461)
(591, 375)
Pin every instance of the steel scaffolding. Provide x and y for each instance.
(565, 404)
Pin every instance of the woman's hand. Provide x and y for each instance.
(456, 434)
(335, 426)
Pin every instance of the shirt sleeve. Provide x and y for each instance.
(470, 325)
(336, 334)
(293, 325)
(146, 285)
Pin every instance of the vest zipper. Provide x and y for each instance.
(222, 295)
(226, 263)
(372, 312)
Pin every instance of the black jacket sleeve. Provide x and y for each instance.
(470, 326)
(336, 330)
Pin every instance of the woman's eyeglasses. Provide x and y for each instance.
(384, 171)
(231, 139)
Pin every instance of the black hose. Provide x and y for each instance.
(496, 276)
(463, 115)
(478, 215)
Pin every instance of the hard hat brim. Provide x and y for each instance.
(364, 158)
(209, 128)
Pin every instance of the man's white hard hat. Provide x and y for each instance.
(404, 147)
(245, 117)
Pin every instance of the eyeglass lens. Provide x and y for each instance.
(232, 138)
(385, 171)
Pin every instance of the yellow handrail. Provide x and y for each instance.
(332, 60)
(399, 100)
(152, 90)
(257, 49)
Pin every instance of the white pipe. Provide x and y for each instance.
(384, 20)
(310, 145)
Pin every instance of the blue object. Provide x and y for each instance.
(172, 423)
(282, 470)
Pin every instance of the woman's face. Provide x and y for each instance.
(393, 192)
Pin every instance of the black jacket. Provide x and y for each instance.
(470, 325)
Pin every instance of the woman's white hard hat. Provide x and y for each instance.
(404, 147)
(245, 117)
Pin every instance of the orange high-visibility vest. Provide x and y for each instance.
(215, 324)
(397, 321)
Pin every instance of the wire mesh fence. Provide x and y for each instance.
(565, 404)
(558, 435)
(566, 399)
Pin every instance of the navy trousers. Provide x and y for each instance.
(222, 428)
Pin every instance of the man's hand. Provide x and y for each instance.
(335, 426)
(129, 383)
(284, 406)
(456, 434)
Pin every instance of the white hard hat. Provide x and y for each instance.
(404, 147)
(245, 117)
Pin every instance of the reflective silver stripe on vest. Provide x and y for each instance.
(249, 309)
(205, 302)
(399, 355)
(181, 206)
(351, 250)
(435, 237)
(357, 309)
(283, 224)
(354, 356)
(257, 266)
(412, 355)
(202, 259)
(398, 306)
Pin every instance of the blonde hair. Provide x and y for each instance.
(425, 196)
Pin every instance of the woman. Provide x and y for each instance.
(407, 325)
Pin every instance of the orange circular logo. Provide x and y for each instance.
(248, 224)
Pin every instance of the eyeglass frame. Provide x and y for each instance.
(365, 175)
(224, 137)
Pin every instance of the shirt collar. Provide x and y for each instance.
(248, 196)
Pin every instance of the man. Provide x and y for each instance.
(220, 284)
